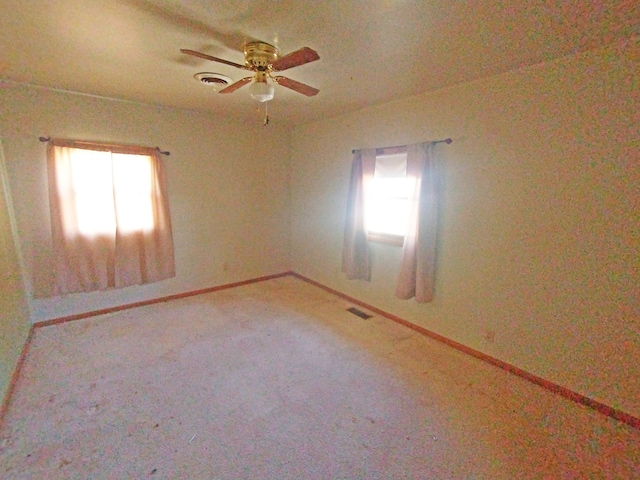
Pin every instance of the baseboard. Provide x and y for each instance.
(16, 375)
(547, 384)
(79, 316)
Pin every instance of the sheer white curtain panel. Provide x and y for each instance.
(114, 238)
(355, 251)
(418, 267)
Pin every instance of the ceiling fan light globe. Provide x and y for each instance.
(261, 91)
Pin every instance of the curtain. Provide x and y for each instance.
(355, 250)
(109, 216)
(417, 270)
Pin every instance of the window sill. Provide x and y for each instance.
(387, 238)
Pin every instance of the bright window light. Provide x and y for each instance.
(388, 204)
(132, 176)
(388, 208)
(101, 177)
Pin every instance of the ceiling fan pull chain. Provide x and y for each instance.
(266, 114)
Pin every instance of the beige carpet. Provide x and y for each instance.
(275, 380)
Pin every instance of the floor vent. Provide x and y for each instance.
(359, 313)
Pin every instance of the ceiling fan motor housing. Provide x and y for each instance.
(260, 55)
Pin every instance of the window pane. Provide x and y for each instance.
(132, 182)
(388, 204)
(106, 183)
(91, 176)
(390, 187)
(390, 216)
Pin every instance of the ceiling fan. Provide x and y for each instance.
(262, 59)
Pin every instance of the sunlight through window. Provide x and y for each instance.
(97, 177)
(388, 204)
(389, 211)
(132, 176)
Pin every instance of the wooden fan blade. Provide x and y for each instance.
(299, 57)
(213, 59)
(297, 86)
(235, 86)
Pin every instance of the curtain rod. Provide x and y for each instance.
(448, 141)
(161, 152)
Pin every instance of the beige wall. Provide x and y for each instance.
(14, 313)
(228, 189)
(539, 226)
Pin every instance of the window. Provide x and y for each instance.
(102, 184)
(390, 209)
(109, 216)
(387, 213)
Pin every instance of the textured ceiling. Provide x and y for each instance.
(370, 51)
